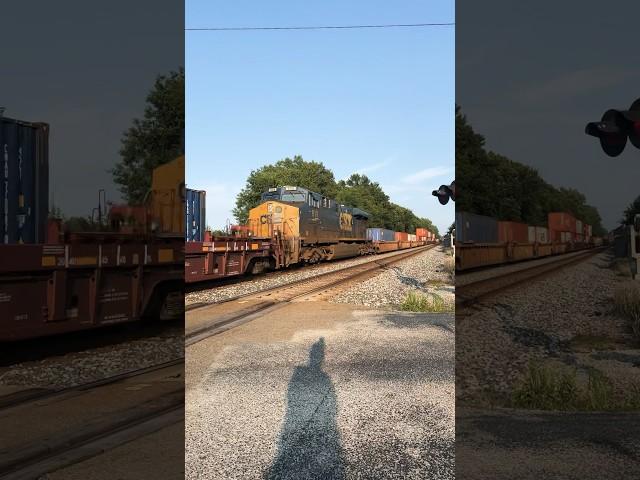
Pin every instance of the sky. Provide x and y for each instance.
(85, 69)
(378, 102)
(541, 71)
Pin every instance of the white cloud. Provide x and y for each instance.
(426, 174)
(373, 168)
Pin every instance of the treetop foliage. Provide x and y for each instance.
(155, 139)
(494, 185)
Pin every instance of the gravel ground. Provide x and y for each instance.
(323, 393)
(94, 364)
(272, 280)
(424, 273)
(564, 319)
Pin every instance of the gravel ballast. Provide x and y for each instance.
(94, 364)
(566, 319)
(274, 279)
(424, 273)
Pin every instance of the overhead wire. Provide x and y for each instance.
(324, 27)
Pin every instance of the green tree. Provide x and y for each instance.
(494, 185)
(295, 171)
(155, 139)
(631, 211)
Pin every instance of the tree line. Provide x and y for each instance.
(491, 184)
(357, 191)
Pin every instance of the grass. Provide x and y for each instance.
(449, 265)
(627, 305)
(545, 388)
(417, 302)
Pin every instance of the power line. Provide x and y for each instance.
(323, 27)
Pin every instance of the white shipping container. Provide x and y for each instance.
(542, 235)
(579, 226)
(412, 237)
(532, 234)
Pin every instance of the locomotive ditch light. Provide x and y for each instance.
(615, 127)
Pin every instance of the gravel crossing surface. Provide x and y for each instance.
(323, 393)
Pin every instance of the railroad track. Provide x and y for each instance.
(377, 258)
(472, 293)
(103, 431)
(275, 297)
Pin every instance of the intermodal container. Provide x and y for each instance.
(195, 215)
(401, 237)
(413, 237)
(561, 222)
(542, 235)
(476, 228)
(538, 234)
(422, 232)
(513, 232)
(579, 228)
(24, 181)
(423, 238)
(381, 235)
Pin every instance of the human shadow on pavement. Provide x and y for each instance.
(309, 444)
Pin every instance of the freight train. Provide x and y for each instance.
(293, 225)
(51, 284)
(483, 241)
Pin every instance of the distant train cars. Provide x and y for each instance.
(484, 241)
(293, 225)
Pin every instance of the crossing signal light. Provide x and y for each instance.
(444, 193)
(615, 127)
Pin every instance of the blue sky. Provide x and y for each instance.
(378, 102)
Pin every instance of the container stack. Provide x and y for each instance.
(513, 232)
(472, 228)
(24, 181)
(380, 235)
(195, 215)
(562, 227)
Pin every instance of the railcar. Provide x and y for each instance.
(292, 225)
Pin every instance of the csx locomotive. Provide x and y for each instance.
(311, 227)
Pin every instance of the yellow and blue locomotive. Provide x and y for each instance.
(311, 227)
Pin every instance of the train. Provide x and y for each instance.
(54, 282)
(292, 225)
(482, 241)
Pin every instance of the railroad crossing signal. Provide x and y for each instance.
(445, 192)
(615, 127)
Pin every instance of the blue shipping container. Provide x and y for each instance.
(195, 215)
(381, 235)
(475, 228)
(24, 181)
